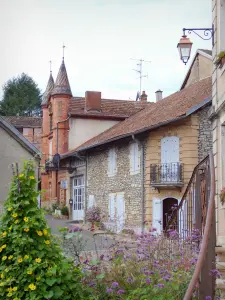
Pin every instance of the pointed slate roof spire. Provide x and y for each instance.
(62, 86)
(48, 90)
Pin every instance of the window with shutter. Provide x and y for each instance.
(157, 212)
(134, 158)
(91, 201)
(112, 167)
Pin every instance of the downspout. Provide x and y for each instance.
(57, 150)
(141, 144)
(85, 188)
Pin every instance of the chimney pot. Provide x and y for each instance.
(158, 95)
(92, 101)
(144, 97)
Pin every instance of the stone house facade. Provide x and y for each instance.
(138, 196)
(67, 123)
(104, 188)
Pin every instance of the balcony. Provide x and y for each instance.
(169, 175)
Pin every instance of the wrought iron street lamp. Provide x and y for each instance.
(184, 46)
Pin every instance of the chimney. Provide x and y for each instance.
(158, 95)
(92, 101)
(143, 97)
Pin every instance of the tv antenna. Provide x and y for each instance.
(140, 71)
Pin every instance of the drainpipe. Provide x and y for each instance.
(141, 144)
(85, 188)
(57, 150)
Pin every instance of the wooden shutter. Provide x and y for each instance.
(120, 212)
(136, 157)
(157, 219)
(132, 157)
(114, 161)
(110, 161)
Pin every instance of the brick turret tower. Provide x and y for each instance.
(55, 105)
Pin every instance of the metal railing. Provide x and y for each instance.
(167, 173)
(195, 218)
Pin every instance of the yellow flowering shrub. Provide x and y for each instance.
(32, 266)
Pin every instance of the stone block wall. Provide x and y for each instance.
(101, 185)
(205, 133)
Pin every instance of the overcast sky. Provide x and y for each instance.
(101, 37)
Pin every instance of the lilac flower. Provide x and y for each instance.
(101, 256)
(208, 298)
(74, 229)
(216, 273)
(166, 278)
(86, 262)
(120, 292)
(129, 280)
(115, 284)
(109, 291)
(92, 284)
(148, 280)
(160, 285)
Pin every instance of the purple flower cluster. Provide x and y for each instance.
(93, 214)
(74, 229)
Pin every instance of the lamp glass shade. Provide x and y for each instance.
(184, 47)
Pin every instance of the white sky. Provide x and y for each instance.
(100, 37)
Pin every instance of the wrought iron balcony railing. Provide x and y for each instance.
(166, 174)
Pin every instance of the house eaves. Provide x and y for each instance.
(20, 138)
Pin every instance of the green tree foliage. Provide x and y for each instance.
(21, 96)
(31, 262)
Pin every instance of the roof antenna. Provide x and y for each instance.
(139, 70)
(63, 50)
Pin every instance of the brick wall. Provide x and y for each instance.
(33, 135)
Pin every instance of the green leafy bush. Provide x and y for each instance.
(31, 262)
(55, 206)
(65, 211)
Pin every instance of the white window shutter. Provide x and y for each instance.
(114, 161)
(112, 207)
(157, 214)
(120, 212)
(91, 201)
(139, 158)
(136, 157)
(110, 161)
(132, 158)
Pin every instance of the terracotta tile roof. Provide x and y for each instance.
(22, 121)
(111, 109)
(165, 110)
